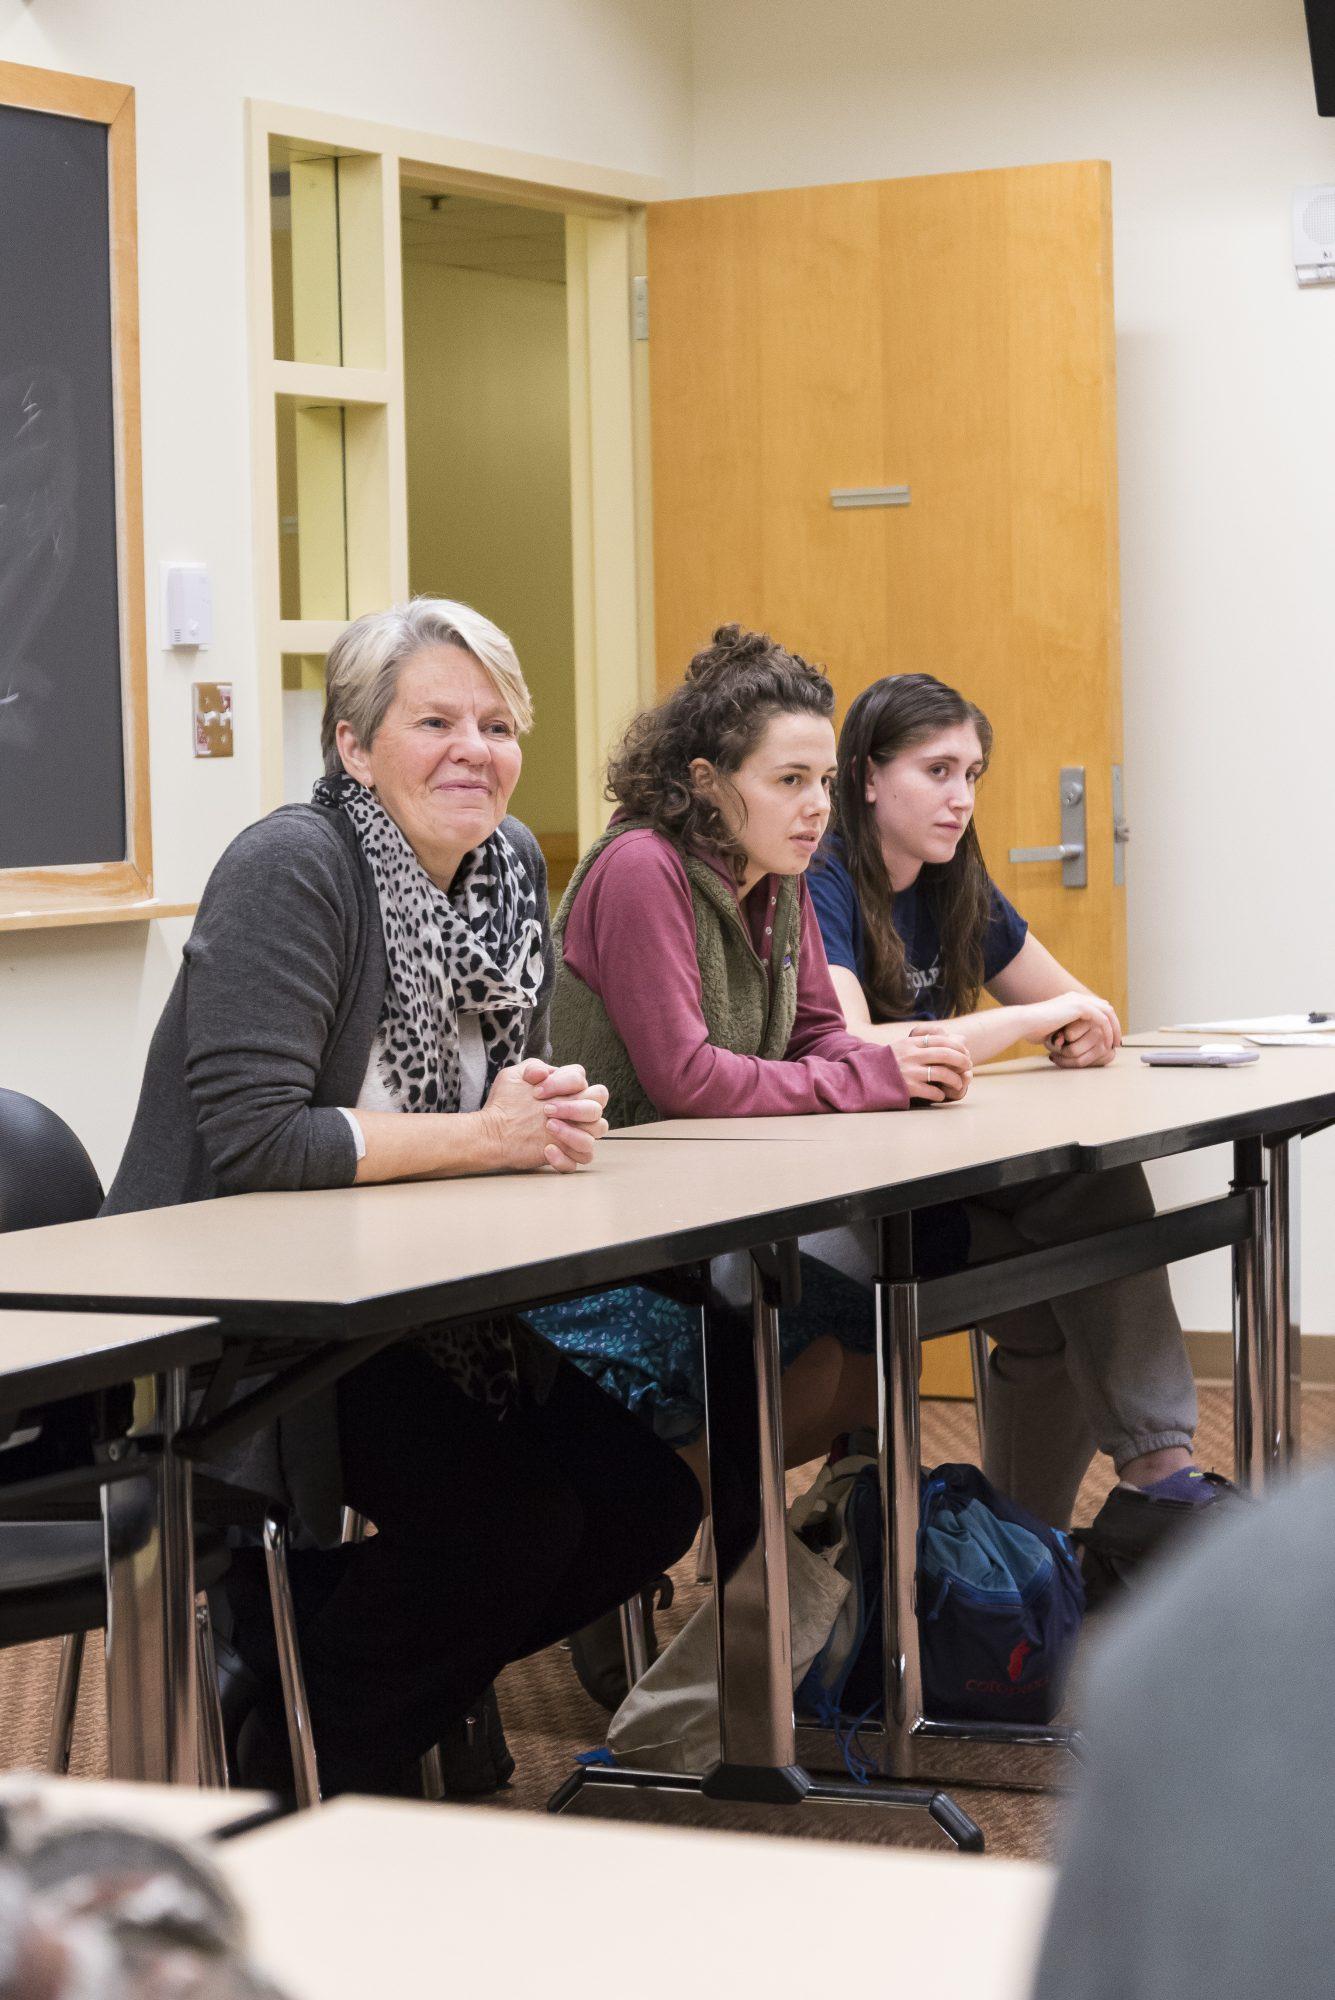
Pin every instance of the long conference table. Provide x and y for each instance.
(307, 1285)
(442, 1897)
(143, 1495)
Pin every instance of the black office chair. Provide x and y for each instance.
(45, 1174)
(53, 1586)
(52, 1575)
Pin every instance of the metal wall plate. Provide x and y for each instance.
(1075, 867)
(212, 718)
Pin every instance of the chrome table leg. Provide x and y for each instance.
(152, 1698)
(899, 1451)
(757, 1739)
(753, 1631)
(433, 1774)
(301, 1742)
(634, 1639)
(1253, 1341)
(212, 1746)
(66, 1704)
(978, 1366)
(1283, 1161)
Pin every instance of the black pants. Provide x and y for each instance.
(494, 1539)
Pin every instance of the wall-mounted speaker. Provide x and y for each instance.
(1321, 35)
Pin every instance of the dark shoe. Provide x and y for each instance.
(474, 1756)
(1133, 1529)
(598, 1653)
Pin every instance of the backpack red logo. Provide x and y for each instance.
(1015, 1664)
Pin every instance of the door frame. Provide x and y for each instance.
(608, 379)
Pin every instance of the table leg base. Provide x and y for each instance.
(1000, 1756)
(757, 1784)
(771, 1785)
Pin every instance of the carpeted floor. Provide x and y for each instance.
(549, 1719)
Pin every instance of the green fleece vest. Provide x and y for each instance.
(746, 1010)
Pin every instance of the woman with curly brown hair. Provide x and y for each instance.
(692, 980)
(690, 955)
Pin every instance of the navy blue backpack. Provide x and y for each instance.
(1000, 1601)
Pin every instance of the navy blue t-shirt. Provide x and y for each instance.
(840, 918)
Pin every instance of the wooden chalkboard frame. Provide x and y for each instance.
(110, 891)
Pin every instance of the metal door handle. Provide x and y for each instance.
(1070, 850)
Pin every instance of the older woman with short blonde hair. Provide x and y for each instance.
(384, 951)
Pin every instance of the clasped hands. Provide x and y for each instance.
(541, 1115)
(1083, 1032)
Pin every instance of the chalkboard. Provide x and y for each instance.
(62, 756)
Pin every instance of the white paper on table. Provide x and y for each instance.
(1265, 1024)
(1311, 1038)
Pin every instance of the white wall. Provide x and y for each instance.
(593, 80)
(1227, 414)
(1227, 430)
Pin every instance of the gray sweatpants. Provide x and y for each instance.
(1105, 1369)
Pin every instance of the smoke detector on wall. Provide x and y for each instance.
(1314, 235)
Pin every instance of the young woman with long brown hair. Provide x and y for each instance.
(914, 930)
(913, 925)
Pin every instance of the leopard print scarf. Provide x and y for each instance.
(477, 949)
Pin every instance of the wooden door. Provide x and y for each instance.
(952, 334)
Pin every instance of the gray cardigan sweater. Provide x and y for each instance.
(267, 1030)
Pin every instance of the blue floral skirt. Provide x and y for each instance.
(643, 1346)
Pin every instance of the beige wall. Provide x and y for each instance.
(585, 80)
(1226, 435)
(489, 488)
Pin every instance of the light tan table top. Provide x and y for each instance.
(1017, 1106)
(44, 1355)
(359, 1260)
(352, 1261)
(178, 1811)
(1132, 1110)
(369, 1896)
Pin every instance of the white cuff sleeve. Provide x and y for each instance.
(358, 1136)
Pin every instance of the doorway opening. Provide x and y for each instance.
(488, 447)
(529, 455)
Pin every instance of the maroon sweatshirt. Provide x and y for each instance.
(630, 937)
